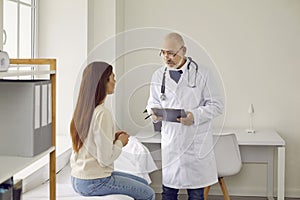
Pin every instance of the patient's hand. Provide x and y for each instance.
(118, 133)
(123, 137)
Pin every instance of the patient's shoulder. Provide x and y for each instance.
(101, 111)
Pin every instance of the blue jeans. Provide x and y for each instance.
(171, 193)
(117, 183)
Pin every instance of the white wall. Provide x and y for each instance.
(101, 22)
(70, 34)
(62, 32)
(1, 24)
(256, 46)
(254, 43)
(104, 22)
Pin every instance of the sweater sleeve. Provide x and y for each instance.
(103, 129)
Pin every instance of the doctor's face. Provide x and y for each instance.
(173, 54)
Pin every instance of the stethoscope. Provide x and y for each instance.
(163, 84)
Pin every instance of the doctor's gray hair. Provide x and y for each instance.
(175, 37)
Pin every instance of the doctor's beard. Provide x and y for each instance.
(171, 64)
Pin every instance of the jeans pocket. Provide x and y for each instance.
(96, 185)
(79, 185)
(83, 187)
(73, 181)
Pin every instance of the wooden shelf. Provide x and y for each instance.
(13, 73)
(10, 165)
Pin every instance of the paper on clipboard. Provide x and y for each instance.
(169, 114)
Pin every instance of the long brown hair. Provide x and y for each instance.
(92, 93)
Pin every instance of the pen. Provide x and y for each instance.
(148, 116)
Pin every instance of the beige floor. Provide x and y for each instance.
(184, 197)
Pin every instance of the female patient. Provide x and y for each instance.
(95, 145)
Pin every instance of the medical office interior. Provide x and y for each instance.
(254, 44)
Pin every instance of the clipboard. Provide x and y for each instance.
(169, 114)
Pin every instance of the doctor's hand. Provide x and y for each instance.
(155, 118)
(188, 120)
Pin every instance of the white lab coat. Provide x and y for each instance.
(188, 160)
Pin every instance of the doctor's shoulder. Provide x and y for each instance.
(203, 72)
(159, 70)
(158, 73)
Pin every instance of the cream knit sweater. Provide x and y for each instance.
(95, 159)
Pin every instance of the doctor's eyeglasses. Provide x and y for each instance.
(169, 53)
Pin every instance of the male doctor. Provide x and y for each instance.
(188, 160)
